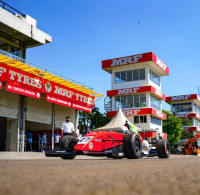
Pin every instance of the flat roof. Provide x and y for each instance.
(145, 58)
(22, 64)
(14, 24)
(183, 98)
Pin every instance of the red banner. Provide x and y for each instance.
(191, 128)
(182, 98)
(20, 78)
(22, 91)
(135, 59)
(140, 111)
(29, 81)
(188, 115)
(135, 90)
(63, 92)
(81, 107)
(1, 84)
(58, 101)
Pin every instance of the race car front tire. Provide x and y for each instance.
(132, 146)
(65, 140)
(68, 157)
(68, 143)
(163, 148)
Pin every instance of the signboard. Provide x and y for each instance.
(135, 59)
(134, 90)
(22, 91)
(1, 84)
(63, 92)
(30, 85)
(188, 115)
(59, 101)
(191, 128)
(140, 111)
(81, 107)
(20, 78)
(182, 97)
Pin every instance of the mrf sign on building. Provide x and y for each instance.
(136, 88)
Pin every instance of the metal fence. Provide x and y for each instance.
(10, 9)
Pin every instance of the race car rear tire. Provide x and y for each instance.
(68, 143)
(132, 146)
(163, 148)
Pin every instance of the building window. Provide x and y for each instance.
(143, 101)
(196, 122)
(155, 103)
(182, 107)
(130, 101)
(118, 77)
(195, 108)
(187, 121)
(140, 119)
(130, 75)
(123, 77)
(154, 77)
(155, 121)
(136, 100)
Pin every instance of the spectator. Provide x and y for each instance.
(44, 141)
(57, 137)
(29, 140)
(87, 130)
(78, 132)
(127, 125)
(68, 127)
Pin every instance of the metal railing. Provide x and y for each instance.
(10, 9)
(31, 64)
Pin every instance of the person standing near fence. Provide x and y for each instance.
(56, 138)
(44, 141)
(29, 140)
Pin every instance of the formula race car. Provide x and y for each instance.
(114, 145)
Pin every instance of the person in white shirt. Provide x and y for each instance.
(67, 127)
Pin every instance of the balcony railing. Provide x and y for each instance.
(10, 9)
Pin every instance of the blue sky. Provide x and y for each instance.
(85, 32)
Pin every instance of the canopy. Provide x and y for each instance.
(117, 122)
(22, 64)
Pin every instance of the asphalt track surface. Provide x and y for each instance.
(176, 175)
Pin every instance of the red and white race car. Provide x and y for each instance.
(111, 144)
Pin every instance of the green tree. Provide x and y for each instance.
(93, 120)
(173, 127)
